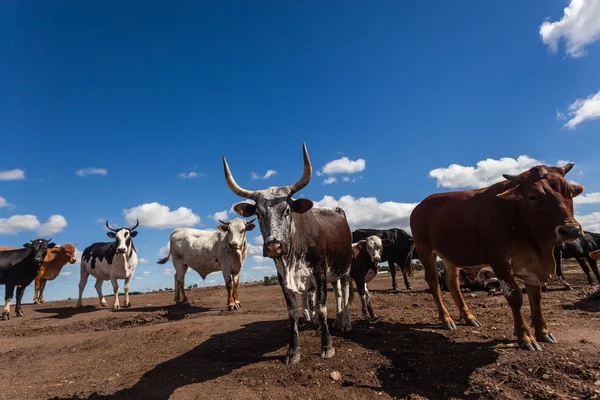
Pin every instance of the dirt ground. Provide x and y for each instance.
(155, 351)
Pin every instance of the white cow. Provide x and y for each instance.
(110, 261)
(209, 251)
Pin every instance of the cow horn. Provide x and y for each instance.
(110, 227)
(512, 178)
(223, 222)
(137, 223)
(567, 168)
(543, 172)
(235, 188)
(31, 240)
(306, 176)
(251, 221)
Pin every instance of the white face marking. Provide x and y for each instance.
(236, 232)
(374, 248)
(121, 240)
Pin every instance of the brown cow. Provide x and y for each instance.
(595, 255)
(511, 226)
(55, 260)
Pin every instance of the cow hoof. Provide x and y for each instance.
(128, 305)
(239, 305)
(20, 313)
(291, 359)
(231, 308)
(5, 316)
(186, 305)
(409, 287)
(546, 338)
(449, 325)
(116, 307)
(544, 289)
(103, 304)
(328, 352)
(472, 322)
(396, 289)
(79, 305)
(568, 287)
(530, 346)
(36, 302)
(42, 301)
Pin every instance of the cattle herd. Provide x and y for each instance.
(516, 230)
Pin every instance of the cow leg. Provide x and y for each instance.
(542, 333)
(345, 283)
(98, 286)
(293, 354)
(179, 290)
(339, 304)
(594, 266)
(327, 350)
(392, 267)
(559, 272)
(83, 278)
(126, 285)
(20, 292)
(8, 296)
(431, 276)
(406, 282)
(115, 285)
(513, 296)
(308, 306)
(361, 289)
(38, 287)
(236, 297)
(369, 307)
(586, 270)
(42, 288)
(230, 302)
(453, 283)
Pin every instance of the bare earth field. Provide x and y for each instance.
(155, 351)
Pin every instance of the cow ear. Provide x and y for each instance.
(110, 235)
(357, 247)
(386, 242)
(250, 226)
(245, 209)
(510, 194)
(222, 228)
(576, 190)
(301, 206)
(27, 245)
(51, 245)
(133, 233)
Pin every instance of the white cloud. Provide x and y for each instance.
(164, 251)
(211, 282)
(258, 240)
(367, 212)
(589, 222)
(158, 216)
(167, 271)
(330, 180)
(343, 166)
(264, 269)
(579, 27)
(267, 175)
(261, 259)
(589, 198)
(146, 273)
(346, 179)
(4, 202)
(137, 278)
(253, 250)
(189, 175)
(66, 273)
(583, 109)
(220, 215)
(91, 171)
(143, 261)
(78, 255)
(23, 223)
(12, 175)
(55, 224)
(485, 173)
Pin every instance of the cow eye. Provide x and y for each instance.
(287, 211)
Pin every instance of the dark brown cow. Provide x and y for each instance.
(511, 226)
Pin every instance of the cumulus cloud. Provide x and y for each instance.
(164, 251)
(579, 27)
(265, 269)
(267, 175)
(261, 259)
(583, 110)
(143, 261)
(66, 273)
(91, 171)
(146, 273)
(137, 278)
(24, 223)
(343, 165)
(220, 215)
(167, 271)
(590, 222)
(158, 216)
(485, 173)
(330, 180)
(368, 212)
(189, 175)
(4, 202)
(258, 240)
(12, 175)
(589, 198)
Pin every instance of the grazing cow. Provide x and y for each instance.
(511, 226)
(395, 254)
(580, 250)
(19, 268)
(110, 261)
(484, 281)
(310, 246)
(207, 252)
(365, 260)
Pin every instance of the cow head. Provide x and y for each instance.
(39, 248)
(374, 246)
(274, 208)
(545, 202)
(65, 252)
(236, 232)
(123, 237)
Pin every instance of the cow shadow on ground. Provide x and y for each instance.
(424, 363)
(214, 358)
(588, 303)
(67, 312)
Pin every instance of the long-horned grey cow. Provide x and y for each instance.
(311, 247)
(110, 261)
(206, 252)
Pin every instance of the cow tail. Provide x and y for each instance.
(166, 259)
(351, 290)
(408, 265)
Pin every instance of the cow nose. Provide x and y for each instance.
(38, 259)
(121, 250)
(73, 260)
(376, 259)
(569, 232)
(273, 248)
(233, 245)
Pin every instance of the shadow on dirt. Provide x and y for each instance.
(206, 362)
(67, 312)
(425, 363)
(589, 303)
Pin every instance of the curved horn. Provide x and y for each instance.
(251, 221)
(543, 172)
(235, 188)
(512, 178)
(567, 168)
(223, 222)
(306, 175)
(49, 240)
(137, 223)
(31, 240)
(110, 227)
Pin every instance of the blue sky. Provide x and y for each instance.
(144, 100)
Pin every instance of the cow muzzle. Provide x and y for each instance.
(73, 260)
(234, 245)
(567, 233)
(121, 250)
(37, 260)
(273, 249)
(376, 259)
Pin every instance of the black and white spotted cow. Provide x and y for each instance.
(310, 246)
(110, 261)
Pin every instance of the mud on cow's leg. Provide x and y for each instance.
(8, 296)
(293, 353)
(20, 292)
(542, 333)
(327, 350)
(392, 267)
